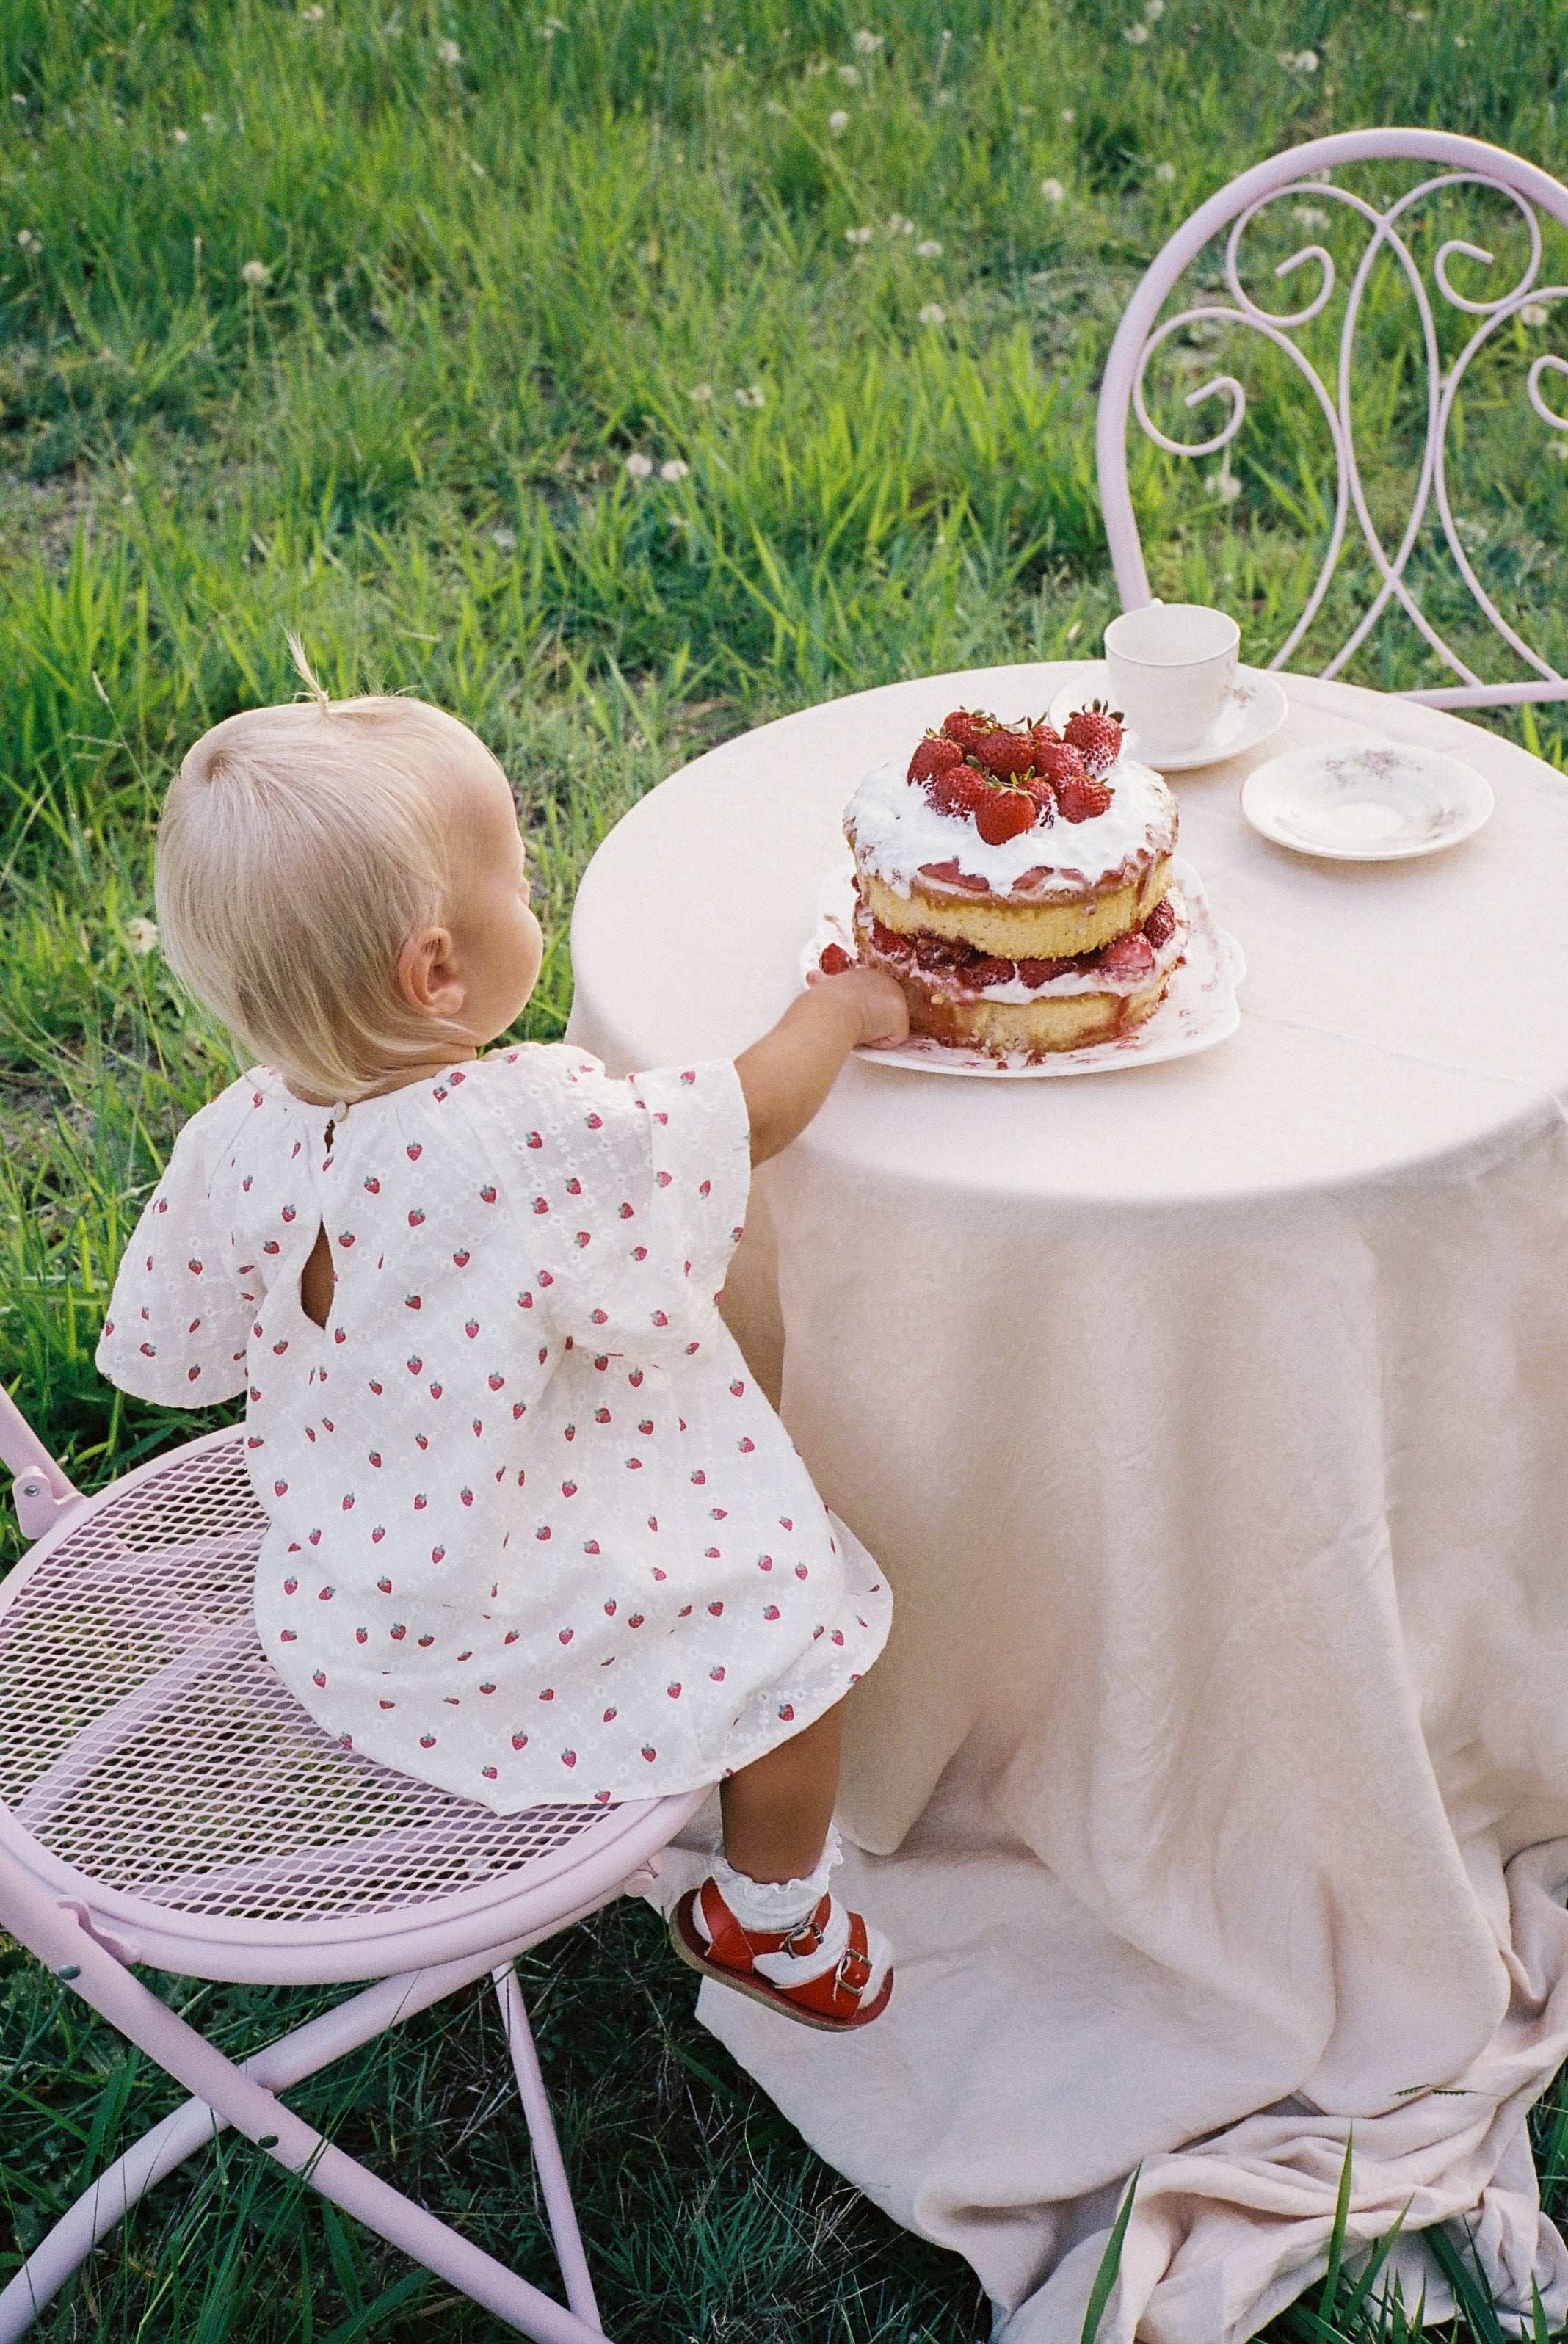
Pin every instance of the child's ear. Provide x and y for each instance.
(425, 978)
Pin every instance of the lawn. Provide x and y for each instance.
(619, 380)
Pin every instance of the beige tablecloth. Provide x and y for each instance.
(1208, 1421)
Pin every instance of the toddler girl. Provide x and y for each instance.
(533, 1534)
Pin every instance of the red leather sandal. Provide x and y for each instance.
(829, 1971)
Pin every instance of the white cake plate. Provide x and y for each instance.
(1255, 708)
(1379, 801)
(1199, 1011)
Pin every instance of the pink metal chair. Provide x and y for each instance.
(1302, 174)
(163, 1800)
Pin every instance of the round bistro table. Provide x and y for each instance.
(1208, 1418)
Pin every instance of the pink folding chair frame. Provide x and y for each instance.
(1301, 173)
(163, 1800)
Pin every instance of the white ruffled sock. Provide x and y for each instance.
(776, 1905)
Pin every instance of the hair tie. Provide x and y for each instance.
(317, 690)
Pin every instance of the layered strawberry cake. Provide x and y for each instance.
(1016, 881)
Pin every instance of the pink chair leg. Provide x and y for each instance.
(547, 2157)
(57, 1939)
(111, 2196)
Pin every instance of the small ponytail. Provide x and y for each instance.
(306, 674)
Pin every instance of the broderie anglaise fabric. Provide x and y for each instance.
(535, 1534)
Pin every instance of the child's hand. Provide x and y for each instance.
(883, 1011)
(787, 1075)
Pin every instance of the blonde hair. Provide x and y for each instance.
(299, 847)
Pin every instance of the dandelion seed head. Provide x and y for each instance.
(934, 314)
(504, 539)
(1535, 313)
(256, 272)
(674, 469)
(928, 249)
(638, 466)
(1052, 190)
(838, 122)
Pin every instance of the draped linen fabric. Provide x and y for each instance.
(1208, 1418)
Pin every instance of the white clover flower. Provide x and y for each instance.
(772, 106)
(1535, 313)
(638, 466)
(1461, 43)
(313, 14)
(1165, 173)
(850, 76)
(1069, 113)
(182, 138)
(929, 249)
(504, 539)
(1136, 34)
(28, 241)
(1223, 484)
(256, 272)
(898, 226)
(751, 395)
(210, 122)
(934, 314)
(674, 469)
(1559, 448)
(838, 122)
(17, 99)
(1154, 10)
(1303, 61)
(1309, 215)
(868, 43)
(142, 937)
(858, 236)
(448, 53)
(1052, 190)
(702, 392)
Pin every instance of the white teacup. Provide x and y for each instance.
(1171, 669)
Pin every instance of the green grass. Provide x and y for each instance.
(485, 280)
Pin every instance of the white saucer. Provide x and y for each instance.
(1256, 707)
(1199, 1008)
(1373, 802)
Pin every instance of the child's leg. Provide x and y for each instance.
(778, 1810)
(766, 1920)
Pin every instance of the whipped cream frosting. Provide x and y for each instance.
(894, 828)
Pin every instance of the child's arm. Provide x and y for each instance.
(787, 1076)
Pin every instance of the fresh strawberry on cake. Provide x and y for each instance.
(1016, 881)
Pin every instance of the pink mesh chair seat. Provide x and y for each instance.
(1456, 282)
(165, 1800)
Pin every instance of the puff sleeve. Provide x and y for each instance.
(640, 1190)
(180, 1314)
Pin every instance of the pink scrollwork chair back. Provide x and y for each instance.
(1303, 172)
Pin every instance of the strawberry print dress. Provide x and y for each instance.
(534, 1534)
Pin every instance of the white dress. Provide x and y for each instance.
(534, 1534)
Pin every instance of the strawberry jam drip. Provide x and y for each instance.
(974, 971)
